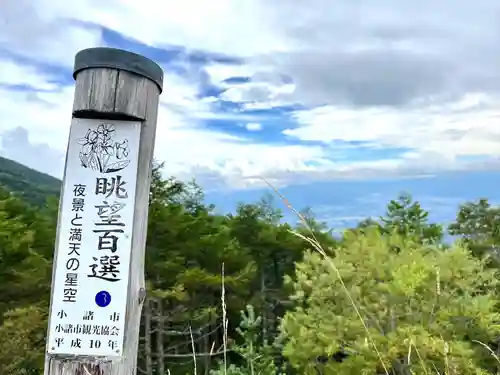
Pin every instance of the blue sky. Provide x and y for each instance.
(341, 106)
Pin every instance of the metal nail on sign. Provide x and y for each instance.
(95, 238)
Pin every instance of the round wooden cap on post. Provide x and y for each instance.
(115, 84)
(113, 58)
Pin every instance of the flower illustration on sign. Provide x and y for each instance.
(101, 152)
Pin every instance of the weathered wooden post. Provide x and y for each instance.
(98, 283)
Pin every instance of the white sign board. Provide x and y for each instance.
(89, 296)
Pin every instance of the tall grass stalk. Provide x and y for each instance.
(312, 240)
(317, 246)
(224, 320)
(193, 349)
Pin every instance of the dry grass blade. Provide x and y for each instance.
(408, 359)
(224, 320)
(193, 349)
(317, 246)
(488, 349)
(422, 361)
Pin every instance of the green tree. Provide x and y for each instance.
(171, 191)
(421, 307)
(186, 248)
(24, 272)
(478, 224)
(22, 347)
(256, 358)
(274, 250)
(407, 218)
(368, 223)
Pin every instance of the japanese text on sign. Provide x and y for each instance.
(109, 228)
(94, 241)
(74, 244)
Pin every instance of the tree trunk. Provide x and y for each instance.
(147, 336)
(263, 305)
(160, 330)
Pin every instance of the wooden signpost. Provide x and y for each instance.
(98, 283)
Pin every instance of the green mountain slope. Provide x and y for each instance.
(34, 186)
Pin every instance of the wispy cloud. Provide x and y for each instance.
(253, 126)
(294, 91)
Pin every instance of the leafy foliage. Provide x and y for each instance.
(256, 358)
(407, 218)
(425, 306)
(417, 299)
(478, 224)
(23, 340)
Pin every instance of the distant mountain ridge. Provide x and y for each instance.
(32, 185)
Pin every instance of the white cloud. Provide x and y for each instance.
(181, 142)
(265, 90)
(429, 83)
(13, 74)
(253, 126)
(46, 115)
(218, 73)
(16, 144)
(224, 26)
(38, 30)
(466, 127)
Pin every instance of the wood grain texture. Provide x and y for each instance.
(108, 93)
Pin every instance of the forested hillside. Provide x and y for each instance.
(34, 186)
(245, 294)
